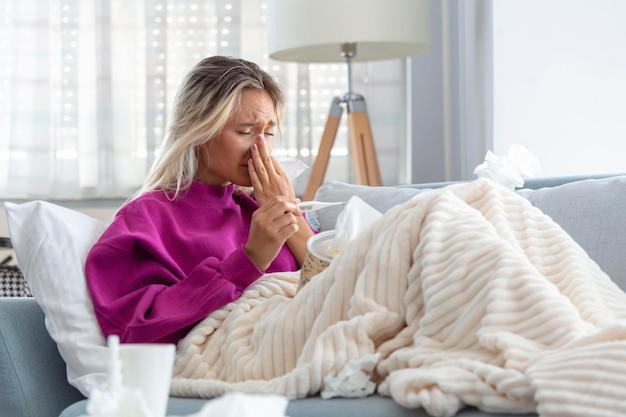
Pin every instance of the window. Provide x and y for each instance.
(86, 85)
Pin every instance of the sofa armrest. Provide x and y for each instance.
(32, 373)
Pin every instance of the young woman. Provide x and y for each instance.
(192, 239)
(465, 295)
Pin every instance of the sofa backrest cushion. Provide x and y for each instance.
(592, 211)
(380, 198)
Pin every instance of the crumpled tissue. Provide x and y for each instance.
(293, 167)
(116, 400)
(355, 217)
(353, 381)
(237, 404)
(510, 170)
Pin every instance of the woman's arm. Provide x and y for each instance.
(143, 294)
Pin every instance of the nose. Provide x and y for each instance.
(267, 141)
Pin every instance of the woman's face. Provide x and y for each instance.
(224, 159)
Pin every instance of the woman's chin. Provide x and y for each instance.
(243, 182)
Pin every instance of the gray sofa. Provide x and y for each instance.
(33, 374)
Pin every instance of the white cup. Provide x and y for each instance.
(148, 367)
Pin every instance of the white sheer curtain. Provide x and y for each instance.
(85, 88)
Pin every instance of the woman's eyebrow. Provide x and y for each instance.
(252, 124)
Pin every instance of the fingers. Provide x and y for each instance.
(281, 217)
(286, 225)
(262, 161)
(258, 170)
(254, 177)
(267, 176)
(279, 206)
(272, 224)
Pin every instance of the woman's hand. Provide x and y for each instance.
(272, 224)
(267, 176)
(270, 182)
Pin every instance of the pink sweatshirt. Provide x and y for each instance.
(162, 265)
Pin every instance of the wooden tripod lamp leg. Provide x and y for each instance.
(364, 157)
(320, 164)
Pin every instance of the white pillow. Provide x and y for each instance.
(51, 244)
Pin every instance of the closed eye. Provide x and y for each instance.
(241, 132)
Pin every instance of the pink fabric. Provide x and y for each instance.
(162, 265)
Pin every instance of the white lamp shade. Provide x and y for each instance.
(313, 30)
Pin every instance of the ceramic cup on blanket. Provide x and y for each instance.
(317, 257)
(148, 367)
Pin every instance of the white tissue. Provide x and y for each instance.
(355, 217)
(236, 404)
(353, 381)
(511, 169)
(293, 167)
(116, 400)
(125, 402)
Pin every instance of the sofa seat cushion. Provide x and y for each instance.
(372, 406)
(33, 381)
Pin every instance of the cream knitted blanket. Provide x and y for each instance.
(470, 295)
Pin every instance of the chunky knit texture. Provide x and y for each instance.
(471, 296)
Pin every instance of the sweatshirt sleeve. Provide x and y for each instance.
(142, 295)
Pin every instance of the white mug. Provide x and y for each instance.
(148, 367)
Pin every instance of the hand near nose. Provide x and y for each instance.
(267, 176)
(270, 182)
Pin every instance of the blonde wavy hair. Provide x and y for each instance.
(210, 94)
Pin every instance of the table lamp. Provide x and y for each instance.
(347, 31)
